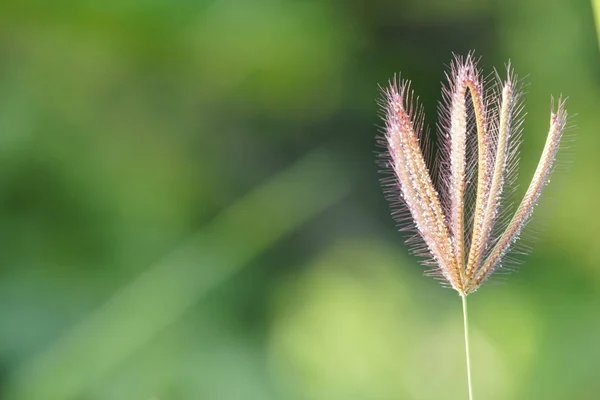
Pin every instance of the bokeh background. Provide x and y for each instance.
(190, 206)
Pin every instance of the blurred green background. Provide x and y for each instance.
(190, 207)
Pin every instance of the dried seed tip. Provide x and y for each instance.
(541, 176)
(416, 188)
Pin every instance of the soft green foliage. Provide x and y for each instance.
(190, 206)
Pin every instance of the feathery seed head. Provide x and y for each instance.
(455, 228)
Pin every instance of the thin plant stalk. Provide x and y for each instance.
(596, 12)
(468, 356)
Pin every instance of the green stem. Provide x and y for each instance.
(596, 11)
(466, 323)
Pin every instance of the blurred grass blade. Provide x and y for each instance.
(596, 11)
(158, 297)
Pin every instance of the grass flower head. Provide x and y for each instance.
(455, 206)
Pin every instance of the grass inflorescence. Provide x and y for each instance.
(456, 207)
